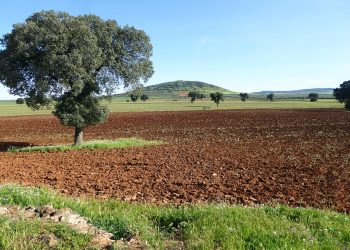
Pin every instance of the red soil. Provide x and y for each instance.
(294, 157)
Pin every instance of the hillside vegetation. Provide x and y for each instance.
(298, 91)
(178, 89)
(324, 93)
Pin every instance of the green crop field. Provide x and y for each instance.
(10, 108)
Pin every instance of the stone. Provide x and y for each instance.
(134, 243)
(49, 239)
(4, 211)
(101, 242)
(45, 211)
(101, 239)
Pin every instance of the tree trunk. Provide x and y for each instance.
(78, 136)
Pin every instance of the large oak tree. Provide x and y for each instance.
(342, 94)
(72, 61)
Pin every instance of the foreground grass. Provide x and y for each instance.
(25, 234)
(198, 226)
(95, 144)
(10, 108)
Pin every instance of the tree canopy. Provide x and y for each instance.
(270, 97)
(243, 96)
(72, 61)
(193, 95)
(342, 94)
(134, 97)
(313, 97)
(217, 97)
(144, 97)
(20, 101)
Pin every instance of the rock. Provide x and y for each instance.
(134, 243)
(58, 215)
(77, 222)
(29, 213)
(49, 239)
(45, 211)
(101, 239)
(4, 211)
(101, 242)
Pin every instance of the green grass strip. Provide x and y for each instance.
(95, 144)
(201, 226)
(26, 234)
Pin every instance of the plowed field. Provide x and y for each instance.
(294, 157)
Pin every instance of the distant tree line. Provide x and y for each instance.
(342, 94)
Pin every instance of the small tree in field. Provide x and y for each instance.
(193, 95)
(136, 93)
(313, 97)
(20, 101)
(270, 97)
(74, 61)
(144, 97)
(134, 97)
(243, 96)
(342, 94)
(217, 97)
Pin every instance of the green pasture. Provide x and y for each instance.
(10, 108)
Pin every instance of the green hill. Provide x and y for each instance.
(178, 89)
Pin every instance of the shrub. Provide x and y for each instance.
(193, 95)
(144, 97)
(134, 97)
(270, 97)
(20, 101)
(243, 96)
(313, 97)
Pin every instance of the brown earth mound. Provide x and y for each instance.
(294, 157)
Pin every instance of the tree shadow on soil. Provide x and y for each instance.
(5, 145)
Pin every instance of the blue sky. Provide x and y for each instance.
(247, 45)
